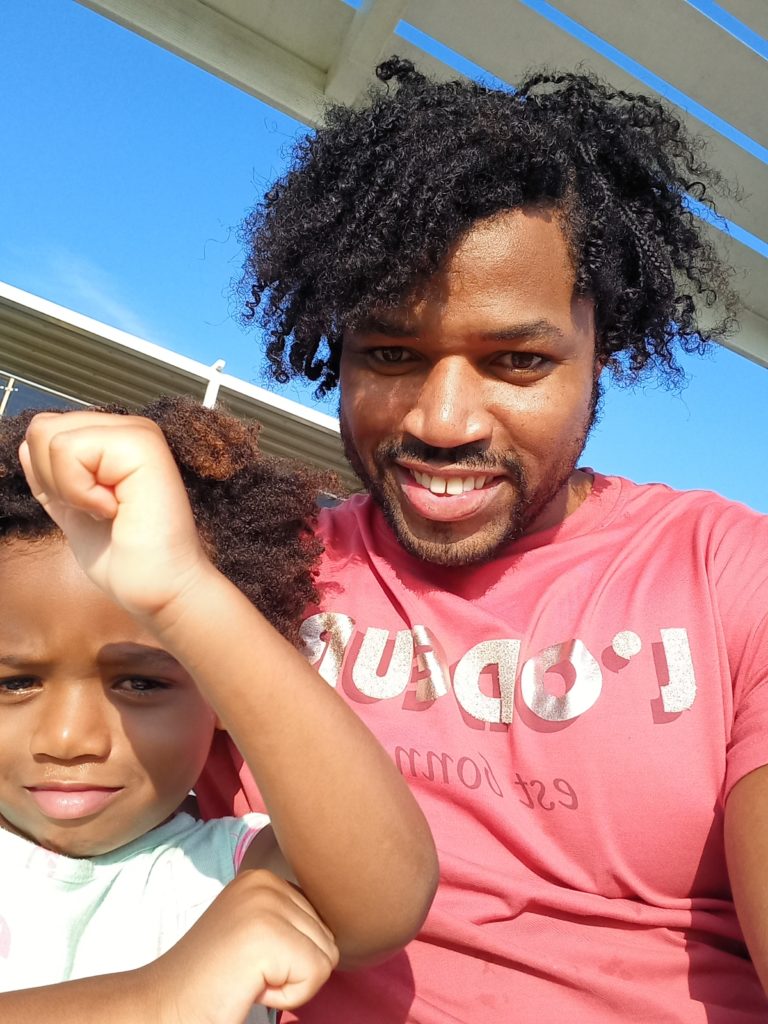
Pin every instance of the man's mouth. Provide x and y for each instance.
(448, 496)
(451, 484)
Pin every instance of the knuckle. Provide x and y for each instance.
(261, 885)
(37, 427)
(61, 443)
(261, 878)
(143, 424)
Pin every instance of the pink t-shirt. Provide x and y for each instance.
(571, 718)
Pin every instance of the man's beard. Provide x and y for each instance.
(465, 460)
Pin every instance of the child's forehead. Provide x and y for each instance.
(47, 603)
(19, 550)
(41, 563)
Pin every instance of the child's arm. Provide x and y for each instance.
(260, 941)
(345, 821)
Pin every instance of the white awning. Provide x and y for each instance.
(79, 357)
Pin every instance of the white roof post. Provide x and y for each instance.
(214, 383)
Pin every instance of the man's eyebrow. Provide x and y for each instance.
(389, 328)
(528, 330)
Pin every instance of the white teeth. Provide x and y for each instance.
(449, 485)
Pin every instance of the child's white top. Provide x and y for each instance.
(63, 918)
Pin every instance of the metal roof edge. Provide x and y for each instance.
(104, 333)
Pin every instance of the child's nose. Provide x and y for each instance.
(73, 724)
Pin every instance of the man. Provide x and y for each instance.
(571, 670)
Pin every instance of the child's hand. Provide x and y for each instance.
(259, 942)
(111, 485)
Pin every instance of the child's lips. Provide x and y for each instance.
(69, 802)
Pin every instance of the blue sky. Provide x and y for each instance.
(124, 175)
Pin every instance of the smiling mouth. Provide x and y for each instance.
(448, 497)
(452, 484)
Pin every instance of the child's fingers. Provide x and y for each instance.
(82, 458)
(35, 486)
(319, 927)
(286, 988)
(296, 968)
(33, 455)
(316, 932)
(61, 461)
(76, 458)
(287, 904)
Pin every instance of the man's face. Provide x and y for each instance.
(465, 410)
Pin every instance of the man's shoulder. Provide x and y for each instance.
(660, 496)
(693, 519)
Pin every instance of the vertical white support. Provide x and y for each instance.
(7, 392)
(214, 383)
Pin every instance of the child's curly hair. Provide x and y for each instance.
(255, 513)
(377, 197)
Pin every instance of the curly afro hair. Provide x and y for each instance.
(377, 197)
(255, 513)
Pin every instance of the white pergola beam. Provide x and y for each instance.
(215, 43)
(713, 67)
(754, 14)
(752, 338)
(370, 32)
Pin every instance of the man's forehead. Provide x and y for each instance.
(514, 244)
(524, 248)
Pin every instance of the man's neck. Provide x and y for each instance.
(573, 494)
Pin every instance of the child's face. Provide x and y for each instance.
(102, 733)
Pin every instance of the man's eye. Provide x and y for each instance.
(391, 356)
(138, 686)
(524, 360)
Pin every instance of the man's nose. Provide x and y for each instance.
(450, 409)
(73, 723)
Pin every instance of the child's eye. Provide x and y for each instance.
(138, 686)
(16, 685)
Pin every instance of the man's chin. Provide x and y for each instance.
(448, 544)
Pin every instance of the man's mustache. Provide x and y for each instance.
(462, 457)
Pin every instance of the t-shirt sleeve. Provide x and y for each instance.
(252, 825)
(741, 579)
(221, 844)
(748, 747)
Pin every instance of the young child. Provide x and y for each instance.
(129, 633)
